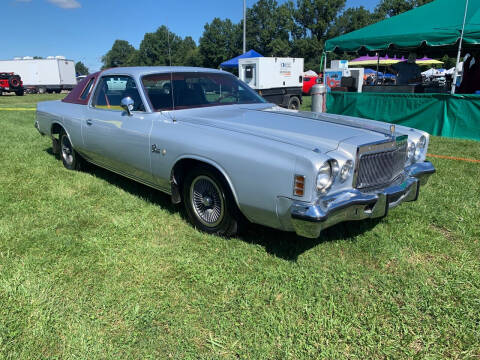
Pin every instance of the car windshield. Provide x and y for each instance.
(175, 91)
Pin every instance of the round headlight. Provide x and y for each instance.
(346, 171)
(324, 177)
(420, 147)
(411, 151)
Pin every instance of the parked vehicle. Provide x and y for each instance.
(10, 82)
(308, 82)
(278, 80)
(229, 155)
(53, 74)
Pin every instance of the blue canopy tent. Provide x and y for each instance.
(233, 63)
(370, 71)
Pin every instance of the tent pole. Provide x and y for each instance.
(378, 65)
(321, 61)
(324, 72)
(459, 49)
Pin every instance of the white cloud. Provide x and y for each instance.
(66, 4)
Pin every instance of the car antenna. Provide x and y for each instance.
(171, 72)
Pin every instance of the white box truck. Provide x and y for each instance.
(52, 74)
(278, 80)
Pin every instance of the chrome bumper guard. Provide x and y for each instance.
(310, 219)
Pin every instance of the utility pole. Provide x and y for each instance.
(244, 26)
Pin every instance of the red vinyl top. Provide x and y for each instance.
(74, 95)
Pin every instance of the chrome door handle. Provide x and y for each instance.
(89, 122)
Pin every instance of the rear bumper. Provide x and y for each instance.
(10, 89)
(309, 220)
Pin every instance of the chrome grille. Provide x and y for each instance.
(377, 168)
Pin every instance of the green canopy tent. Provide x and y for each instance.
(439, 27)
(430, 29)
(442, 26)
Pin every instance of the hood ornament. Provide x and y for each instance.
(392, 130)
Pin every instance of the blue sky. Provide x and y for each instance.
(84, 30)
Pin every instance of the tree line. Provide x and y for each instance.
(295, 29)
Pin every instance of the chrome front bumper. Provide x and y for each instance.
(309, 219)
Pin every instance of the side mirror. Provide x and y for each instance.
(127, 105)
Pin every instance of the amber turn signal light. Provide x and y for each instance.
(299, 185)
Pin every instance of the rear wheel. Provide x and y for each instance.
(57, 91)
(294, 103)
(41, 90)
(20, 92)
(209, 203)
(70, 158)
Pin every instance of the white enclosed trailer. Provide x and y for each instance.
(53, 74)
(278, 80)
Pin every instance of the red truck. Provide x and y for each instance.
(9, 82)
(309, 81)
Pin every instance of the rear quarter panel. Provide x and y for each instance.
(69, 116)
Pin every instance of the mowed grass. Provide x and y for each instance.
(93, 265)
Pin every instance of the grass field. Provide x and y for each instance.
(94, 266)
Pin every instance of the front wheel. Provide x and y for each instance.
(70, 158)
(209, 203)
(20, 92)
(294, 103)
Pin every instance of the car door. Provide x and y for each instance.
(113, 138)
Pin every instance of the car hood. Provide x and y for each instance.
(322, 132)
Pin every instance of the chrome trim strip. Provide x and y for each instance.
(128, 176)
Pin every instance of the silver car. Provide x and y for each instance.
(211, 142)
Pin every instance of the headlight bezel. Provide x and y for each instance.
(346, 171)
(420, 147)
(411, 150)
(329, 170)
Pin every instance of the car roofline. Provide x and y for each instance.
(147, 70)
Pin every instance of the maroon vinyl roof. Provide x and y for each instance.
(74, 95)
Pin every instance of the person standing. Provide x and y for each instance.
(408, 72)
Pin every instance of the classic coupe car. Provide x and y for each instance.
(211, 142)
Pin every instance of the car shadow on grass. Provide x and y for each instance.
(284, 245)
(289, 246)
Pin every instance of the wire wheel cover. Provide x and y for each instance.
(67, 151)
(207, 201)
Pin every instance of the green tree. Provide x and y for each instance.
(81, 69)
(389, 8)
(164, 46)
(269, 27)
(315, 18)
(350, 20)
(193, 58)
(310, 49)
(220, 41)
(118, 55)
(448, 62)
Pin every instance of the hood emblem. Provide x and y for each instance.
(392, 130)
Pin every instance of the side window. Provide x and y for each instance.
(159, 90)
(112, 89)
(87, 89)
